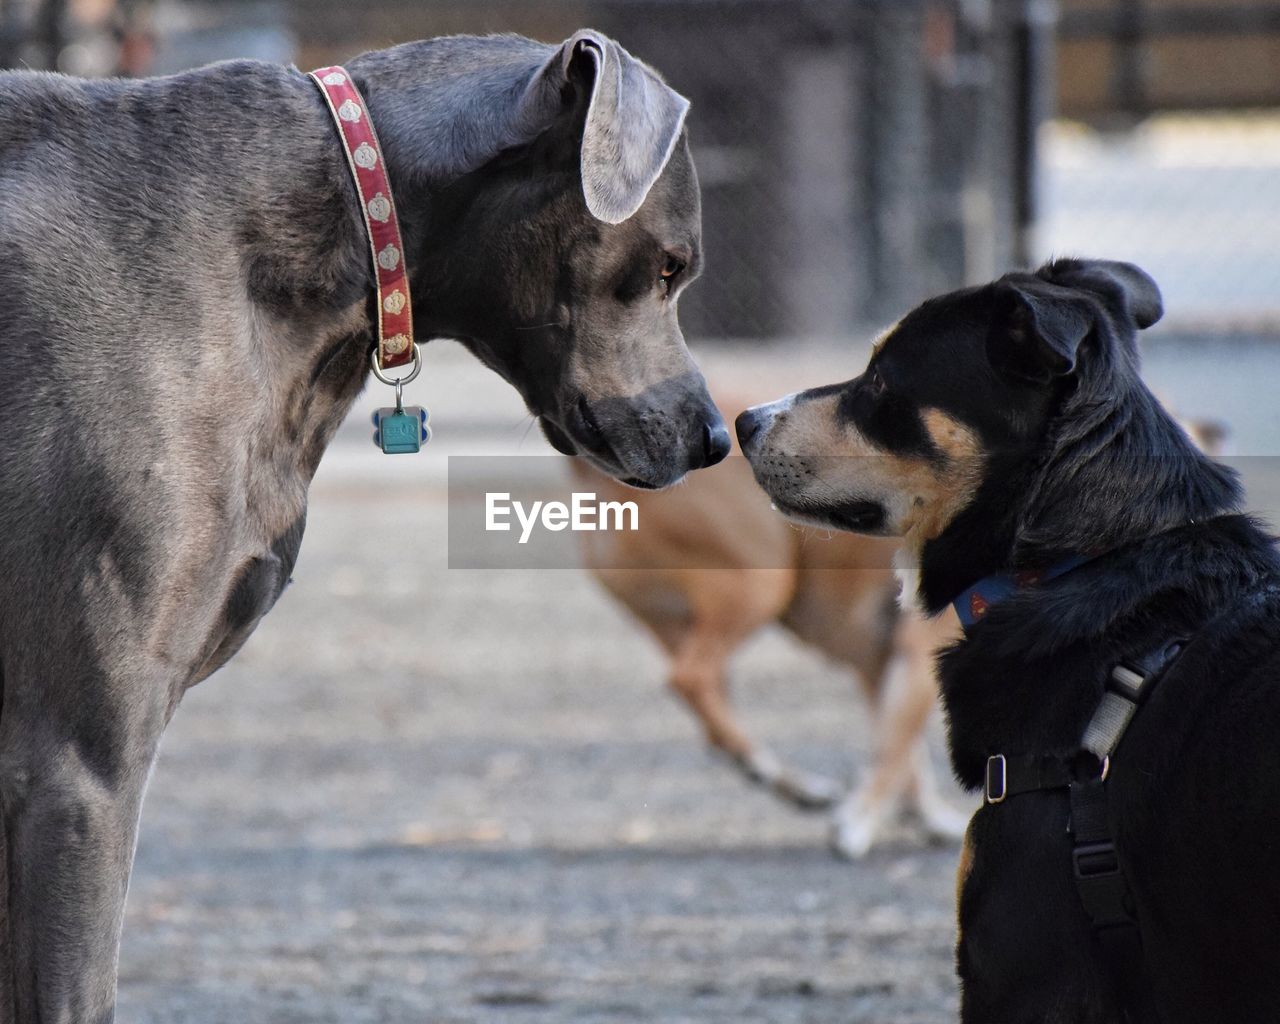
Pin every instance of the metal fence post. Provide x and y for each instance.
(896, 148)
(1034, 55)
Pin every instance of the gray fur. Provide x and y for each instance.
(184, 322)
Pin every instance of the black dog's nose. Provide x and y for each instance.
(715, 442)
(749, 425)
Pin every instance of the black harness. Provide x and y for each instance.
(1099, 877)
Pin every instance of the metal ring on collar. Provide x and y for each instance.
(397, 381)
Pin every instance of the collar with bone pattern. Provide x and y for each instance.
(386, 247)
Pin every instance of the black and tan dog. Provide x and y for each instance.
(1117, 688)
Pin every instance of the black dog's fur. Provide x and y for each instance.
(1192, 789)
(1078, 457)
(1194, 785)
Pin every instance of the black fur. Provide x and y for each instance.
(1192, 789)
(1084, 459)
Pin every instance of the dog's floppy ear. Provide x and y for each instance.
(633, 123)
(1036, 329)
(631, 126)
(1128, 289)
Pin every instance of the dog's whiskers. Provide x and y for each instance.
(530, 421)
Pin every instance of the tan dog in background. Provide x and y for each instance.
(712, 564)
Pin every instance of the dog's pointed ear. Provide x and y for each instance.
(631, 123)
(1036, 330)
(1126, 288)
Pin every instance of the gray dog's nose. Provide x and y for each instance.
(715, 442)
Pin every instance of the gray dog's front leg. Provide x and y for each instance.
(71, 810)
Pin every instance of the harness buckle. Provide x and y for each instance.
(1095, 860)
(1128, 683)
(1101, 884)
(997, 781)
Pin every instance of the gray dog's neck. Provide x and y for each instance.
(440, 107)
(281, 196)
(433, 105)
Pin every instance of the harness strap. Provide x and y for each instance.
(1094, 860)
(1126, 687)
(1099, 877)
(1098, 874)
(1104, 894)
(1112, 717)
(1013, 774)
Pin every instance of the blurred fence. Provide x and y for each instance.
(1195, 200)
(857, 155)
(1172, 158)
(1125, 59)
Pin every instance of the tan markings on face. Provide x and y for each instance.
(811, 428)
(921, 496)
(939, 494)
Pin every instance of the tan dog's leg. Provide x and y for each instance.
(899, 713)
(901, 700)
(698, 675)
(698, 678)
(940, 818)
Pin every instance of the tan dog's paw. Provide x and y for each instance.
(807, 790)
(856, 825)
(941, 820)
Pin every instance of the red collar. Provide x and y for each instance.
(369, 171)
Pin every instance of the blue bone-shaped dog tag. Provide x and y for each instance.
(401, 431)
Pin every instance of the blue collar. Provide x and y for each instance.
(973, 604)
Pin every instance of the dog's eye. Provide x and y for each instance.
(672, 267)
(875, 383)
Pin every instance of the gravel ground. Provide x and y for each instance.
(423, 794)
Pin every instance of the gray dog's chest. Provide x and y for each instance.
(252, 590)
(165, 394)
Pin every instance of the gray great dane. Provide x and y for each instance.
(186, 314)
